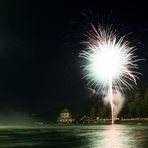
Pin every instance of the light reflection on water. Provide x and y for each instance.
(55, 136)
(121, 136)
(115, 137)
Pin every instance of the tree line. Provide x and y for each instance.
(135, 106)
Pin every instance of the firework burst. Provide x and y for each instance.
(110, 61)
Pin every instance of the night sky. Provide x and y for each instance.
(39, 67)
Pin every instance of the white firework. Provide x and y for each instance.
(109, 57)
(110, 60)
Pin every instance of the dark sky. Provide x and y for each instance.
(38, 62)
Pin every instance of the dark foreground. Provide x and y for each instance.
(56, 136)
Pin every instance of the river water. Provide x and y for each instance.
(65, 136)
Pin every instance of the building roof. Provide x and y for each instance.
(65, 110)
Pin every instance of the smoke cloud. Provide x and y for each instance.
(118, 101)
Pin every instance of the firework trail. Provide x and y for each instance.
(110, 63)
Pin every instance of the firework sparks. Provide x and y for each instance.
(111, 63)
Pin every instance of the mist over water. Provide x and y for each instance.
(14, 118)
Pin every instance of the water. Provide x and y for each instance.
(55, 136)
